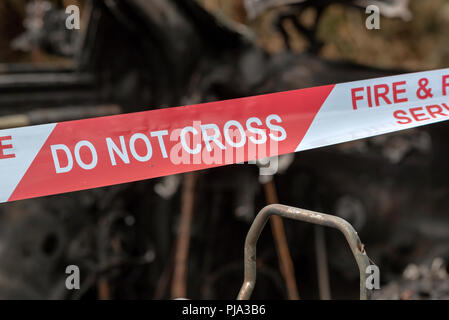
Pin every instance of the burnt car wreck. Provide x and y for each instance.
(184, 235)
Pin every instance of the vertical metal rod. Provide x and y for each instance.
(179, 287)
(307, 216)
(321, 261)
(280, 239)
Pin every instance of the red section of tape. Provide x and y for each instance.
(75, 140)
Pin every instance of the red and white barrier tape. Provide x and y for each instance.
(75, 155)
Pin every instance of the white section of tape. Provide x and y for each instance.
(26, 141)
(338, 122)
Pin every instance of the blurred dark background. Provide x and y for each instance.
(130, 240)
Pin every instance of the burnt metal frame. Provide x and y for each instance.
(261, 219)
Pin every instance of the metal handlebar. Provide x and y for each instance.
(261, 219)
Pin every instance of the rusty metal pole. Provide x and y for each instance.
(285, 260)
(261, 219)
(179, 286)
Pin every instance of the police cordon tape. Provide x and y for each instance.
(83, 154)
